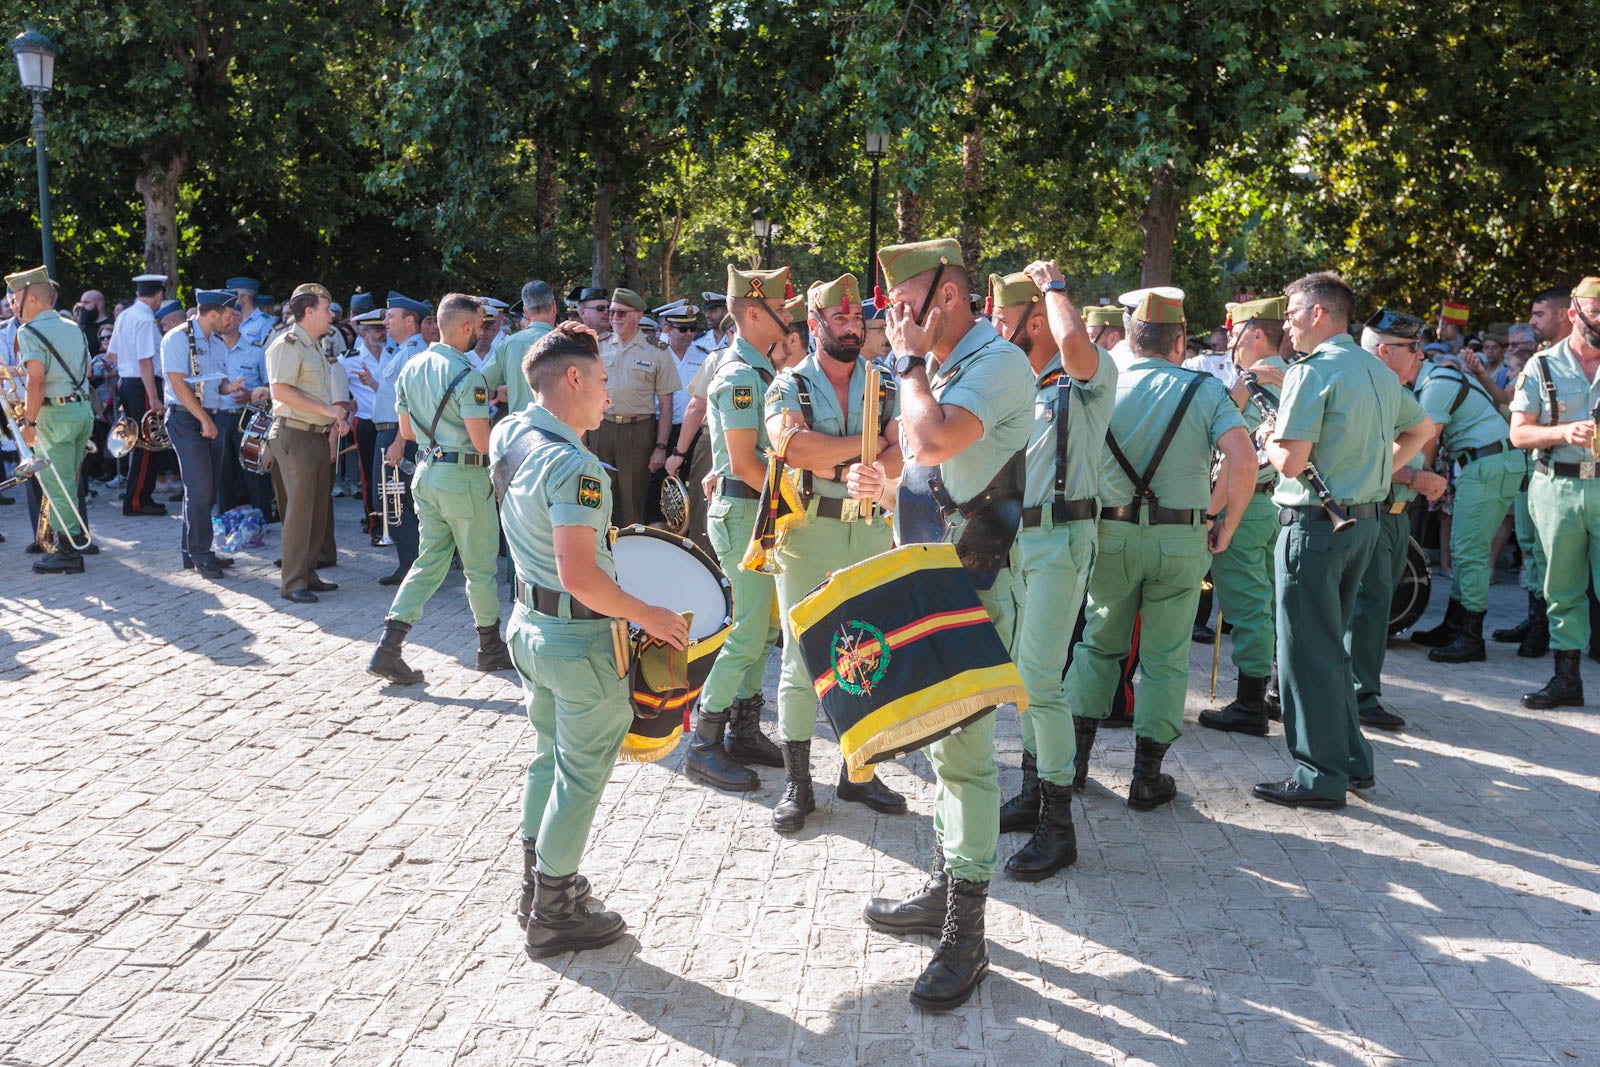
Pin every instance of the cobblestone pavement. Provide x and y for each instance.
(222, 842)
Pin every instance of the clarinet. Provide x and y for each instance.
(1268, 409)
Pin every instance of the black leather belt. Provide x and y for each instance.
(1159, 516)
(381, 426)
(1583, 471)
(734, 489)
(1266, 488)
(466, 459)
(1467, 455)
(1060, 511)
(1289, 516)
(70, 398)
(833, 507)
(548, 601)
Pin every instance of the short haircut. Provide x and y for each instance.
(537, 298)
(458, 306)
(299, 305)
(1559, 296)
(1272, 328)
(149, 288)
(416, 319)
(1522, 333)
(547, 361)
(1154, 338)
(1327, 289)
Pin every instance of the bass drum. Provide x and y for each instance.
(660, 568)
(1411, 592)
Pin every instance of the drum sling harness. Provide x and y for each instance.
(1142, 493)
(81, 383)
(886, 392)
(433, 448)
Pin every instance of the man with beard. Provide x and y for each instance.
(1076, 387)
(443, 405)
(820, 401)
(1553, 412)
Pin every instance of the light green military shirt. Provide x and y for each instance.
(1576, 395)
(1089, 405)
(1406, 493)
(519, 394)
(638, 372)
(67, 338)
(826, 418)
(737, 401)
(1253, 418)
(1351, 408)
(422, 385)
(992, 379)
(1477, 422)
(560, 484)
(1148, 391)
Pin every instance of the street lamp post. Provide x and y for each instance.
(877, 149)
(36, 66)
(762, 226)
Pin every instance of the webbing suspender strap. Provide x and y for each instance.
(1063, 410)
(1141, 483)
(1550, 400)
(507, 466)
(433, 427)
(82, 379)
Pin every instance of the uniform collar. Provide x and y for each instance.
(544, 419)
(299, 334)
(978, 337)
(752, 355)
(1050, 375)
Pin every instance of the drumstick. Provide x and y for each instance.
(870, 414)
(1216, 653)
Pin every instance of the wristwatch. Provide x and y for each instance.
(1057, 286)
(906, 364)
(662, 445)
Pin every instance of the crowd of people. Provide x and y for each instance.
(1094, 466)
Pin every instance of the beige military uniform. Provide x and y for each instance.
(301, 473)
(638, 373)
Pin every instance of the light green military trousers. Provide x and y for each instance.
(456, 514)
(1054, 563)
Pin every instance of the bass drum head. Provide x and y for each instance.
(1411, 592)
(673, 572)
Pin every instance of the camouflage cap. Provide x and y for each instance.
(1158, 309)
(759, 284)
(629, 298)
(900, 262)
(842, 292)
(311, 289)
(1011, 290)
(1273, 308)
(22, 279)
(1587, 289)
(1102, 315)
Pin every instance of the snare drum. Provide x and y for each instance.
(255, 455)
(1411, 592)
(673, 572)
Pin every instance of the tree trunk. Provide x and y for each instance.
(630, 256)
(908, 214)
(159, 188)
(972, 186)
(545, 189)
(600, 270)
(667, 254)
(1160, 226)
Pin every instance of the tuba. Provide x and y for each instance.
(149, 433)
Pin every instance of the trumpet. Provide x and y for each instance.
(13, 398)
(392, 494)
(149, 433)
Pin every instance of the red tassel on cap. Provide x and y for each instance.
(988, 305)
(1227, 323)
(788, 289)
(879, 301)
(845, 302)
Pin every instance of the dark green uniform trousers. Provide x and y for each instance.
(1318, 575)
(1369, 625)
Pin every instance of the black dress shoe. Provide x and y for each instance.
(317, 585)
(222, 561)
(1291, 794)
(34, 549)
(1203, 634)
(1365, 782)
(152, 509)
(208, 569)
(1380, 717)
(301, 596)
(393, 579)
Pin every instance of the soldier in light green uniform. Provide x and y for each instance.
(1475, 434)
(736, 421)
(539, 306)
(1075, 384)
(1395, 339)
(443, 404)
(966, 408)
(56, 408)
(1155, 545)
(558, 519)
(815, 407)
(1553, 412)
(1363, 425)
(1242, 573)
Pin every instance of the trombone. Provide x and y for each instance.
(13, 398)
(392, 493)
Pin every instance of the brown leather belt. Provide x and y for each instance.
(625, 419)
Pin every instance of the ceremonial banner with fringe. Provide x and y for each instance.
(901, 652)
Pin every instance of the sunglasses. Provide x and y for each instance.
(622, 312)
